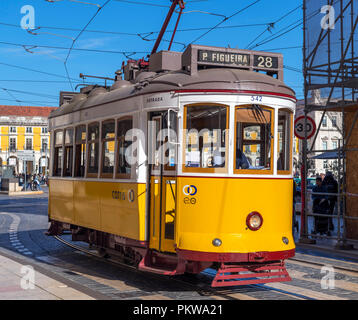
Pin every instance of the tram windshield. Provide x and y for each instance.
(206, 141)
(253, 130)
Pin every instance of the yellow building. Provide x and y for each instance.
(24, 138)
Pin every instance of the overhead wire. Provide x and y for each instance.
(290, 28)
(128, 33)
(11, 95)
(30, 93)
(272, 25)
(224, 20)
(43, 103)
(34, 70)
(76, 38)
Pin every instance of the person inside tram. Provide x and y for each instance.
(218, 159)
(241, 160)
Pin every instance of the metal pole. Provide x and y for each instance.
(25, 174)
(303, 233)
(339, 197)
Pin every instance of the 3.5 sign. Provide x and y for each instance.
(300, 127)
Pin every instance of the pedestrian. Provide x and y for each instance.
(28, 182)
(331, 185)
(36, 183)
(320, 207)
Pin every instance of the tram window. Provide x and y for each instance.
(108, 144)
(123, 167)
(206, 137)
(67, 170)
(171, 151)
(253, 138)
(58, 154)
(284, 141)
(80, 156)
(93, 149)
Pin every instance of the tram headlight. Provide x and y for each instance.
(254, 221)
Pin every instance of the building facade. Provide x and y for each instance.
(329, 137)
(24, 138)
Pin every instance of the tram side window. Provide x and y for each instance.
(253, 138)
(67, 170)
(108, 144)
(284, 141)
(206, 137)
(123, 167)
(80, 157)
(93, 149)
(58, 154)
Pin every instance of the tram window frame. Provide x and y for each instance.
(68, 153)
(105, 140)
(287, 142)
(268, 171)
(90, 142)
(80, 151)
(58, 154)
(188, 169)
(120, 139)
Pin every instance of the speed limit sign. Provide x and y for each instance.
(300, 127)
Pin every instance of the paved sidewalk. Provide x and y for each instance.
(18, 282)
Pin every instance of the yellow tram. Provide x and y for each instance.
(184, 165)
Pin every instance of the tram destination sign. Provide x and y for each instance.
(220, 57)
(239, 59)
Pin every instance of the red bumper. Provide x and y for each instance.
(235, 257)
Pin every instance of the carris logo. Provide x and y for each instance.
(190, 190)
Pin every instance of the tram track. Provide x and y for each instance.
(206, 290)
(321, 264)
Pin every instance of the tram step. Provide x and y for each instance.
(245, 274)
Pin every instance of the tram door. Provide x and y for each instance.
(162, 172)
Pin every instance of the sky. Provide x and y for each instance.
(35, 66)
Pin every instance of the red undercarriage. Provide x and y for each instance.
(232, 268)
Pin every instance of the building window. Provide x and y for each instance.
(44, 145)
(324, 145)
(28, 145)
(80, 155)
(123, 167)
(324, 122)
(28, 129)
(44, 130)
(334, 121)
(334, 144)
(12, 144)
(108, 144)
(12, 129)
(93, 149)
(57, 164)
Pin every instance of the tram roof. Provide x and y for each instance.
(206, 79)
